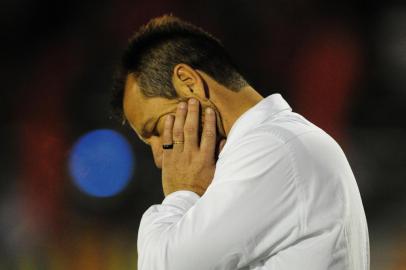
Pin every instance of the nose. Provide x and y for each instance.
(156, 149)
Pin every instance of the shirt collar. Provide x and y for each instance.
(267, 107)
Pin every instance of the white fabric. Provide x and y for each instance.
(283, 197)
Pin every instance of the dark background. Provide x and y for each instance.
(341, 64)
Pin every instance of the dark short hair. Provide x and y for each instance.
(157, 47)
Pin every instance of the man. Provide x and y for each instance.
(281, 194)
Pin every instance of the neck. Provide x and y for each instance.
(231, 105)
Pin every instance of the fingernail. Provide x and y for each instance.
(192, 101)
(182, 105)
(209, 110)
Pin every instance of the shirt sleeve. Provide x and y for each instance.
(250, 211)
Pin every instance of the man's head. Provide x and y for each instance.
(169, 60)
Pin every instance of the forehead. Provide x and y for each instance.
(141, 111)
(134, 103)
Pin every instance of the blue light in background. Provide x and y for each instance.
(101, 163)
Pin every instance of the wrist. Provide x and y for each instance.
(193, 188)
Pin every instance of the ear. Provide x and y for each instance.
(188, 82)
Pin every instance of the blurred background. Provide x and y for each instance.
(74, 182)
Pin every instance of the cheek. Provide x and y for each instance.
(155, 144)
(156, 148)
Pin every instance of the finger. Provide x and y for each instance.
(167, 139)
(222, 143)
(167, 133)
(191, 125)
(178, 125)
(208, 142)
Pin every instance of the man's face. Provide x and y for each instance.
(146, 115)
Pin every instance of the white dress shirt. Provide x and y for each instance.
(283, 197)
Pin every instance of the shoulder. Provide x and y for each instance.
(286, 135)
(273, 131)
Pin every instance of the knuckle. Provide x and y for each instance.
(207, 160)
(190, 129)
(177, 133)
(204, 162)
(209, 123)
(210, 119)
(209, 133)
